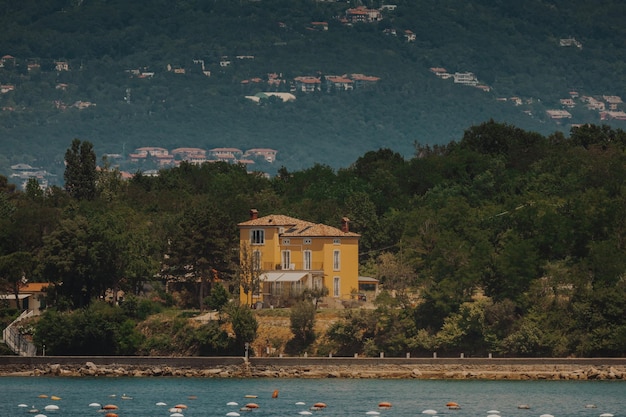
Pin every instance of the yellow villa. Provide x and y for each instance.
(282, 256)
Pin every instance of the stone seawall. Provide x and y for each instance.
(392, 368)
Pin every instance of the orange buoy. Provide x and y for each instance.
(110, 415)
(275, 394)
(384, 404)
(319, 405)
(252, 405)
(181, 406)
(109, 407)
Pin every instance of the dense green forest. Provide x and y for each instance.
(507, 241)
(512, 48)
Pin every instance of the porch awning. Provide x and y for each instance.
(281, 276)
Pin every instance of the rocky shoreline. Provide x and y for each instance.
(247, 370)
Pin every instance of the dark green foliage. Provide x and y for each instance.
(98, 330)
(244, 326)
(80, 170)
(218, 297)
(302, 325)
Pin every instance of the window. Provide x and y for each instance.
(336, 241)
(336, 260)
(256, 260)
(307, 254)
(317, 283)
(336, 290)
(286, 241)
(307, 241)
(257, 237)
(286, 259)
(276, 289)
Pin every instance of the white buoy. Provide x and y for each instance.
(22, 405)
(546, 415)
(305, 413)
(51, 407)
(493, 415)
(373, 413)
(161, 404)
(429, 411)
(233, 414)
(176, 415)
(40, 415)
(232, 403)
(95, 405)
(606, 415)
(493, 412)
(300, 403)
(175, 410)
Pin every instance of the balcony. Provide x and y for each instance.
(294, 266)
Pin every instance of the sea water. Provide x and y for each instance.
(138, 397)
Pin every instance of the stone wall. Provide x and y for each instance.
(388, 368)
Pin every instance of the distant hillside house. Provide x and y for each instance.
(268, 154)
(61, 66)
(226, 154)
(308, 84)
(465, 78)
(362, 14)
(559, 114)
(320, 25)
(361, 80)
(285, 97)
(593, 104)
(5, 88)
(570, 42)
(339, 82)
(162, 155)
(409, 36)
(613, 115)
(191, 155)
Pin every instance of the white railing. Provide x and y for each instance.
(15, 340)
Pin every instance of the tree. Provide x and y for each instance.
(69, 259)
(249, 272)
(201, 244)
(244, 325)
(302, 325)
(80, 170)
(218, 297)
(14, 271)
(395, 275)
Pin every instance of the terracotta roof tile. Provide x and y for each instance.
(296, 227)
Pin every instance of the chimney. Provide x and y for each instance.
(254, 214)
(344, 224)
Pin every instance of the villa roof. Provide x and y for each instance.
(296, 227)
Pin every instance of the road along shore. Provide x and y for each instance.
(372, 368)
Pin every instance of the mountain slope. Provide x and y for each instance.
(514, 49)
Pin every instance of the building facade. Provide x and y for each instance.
(284, 256)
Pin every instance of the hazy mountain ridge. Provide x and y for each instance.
(513, 48)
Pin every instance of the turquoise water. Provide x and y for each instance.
(343, 397)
